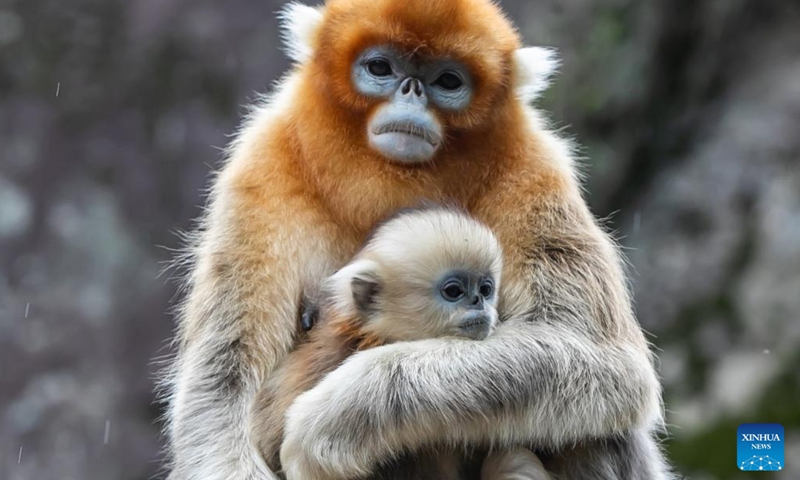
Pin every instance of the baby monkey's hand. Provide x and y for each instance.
(309, 314)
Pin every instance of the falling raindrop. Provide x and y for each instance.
(27, 309)
(19, 457)
(108, 432)
(58, 88)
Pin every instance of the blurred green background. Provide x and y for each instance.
(113, 113)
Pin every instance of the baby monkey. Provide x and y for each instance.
(424, 273)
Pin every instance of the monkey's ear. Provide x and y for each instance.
(534, 67)
(365, 286)
(299, 24)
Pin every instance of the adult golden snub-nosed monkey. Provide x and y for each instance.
(390, 102)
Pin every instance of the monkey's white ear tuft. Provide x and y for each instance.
(299, 23)
(535, 66)
(351, 284)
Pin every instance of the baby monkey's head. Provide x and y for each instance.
(424, 273)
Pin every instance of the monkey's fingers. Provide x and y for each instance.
(309, 318)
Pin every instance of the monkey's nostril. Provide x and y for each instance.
(418, 87)
(410, 85)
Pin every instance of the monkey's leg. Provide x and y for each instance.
(517, 464)
(208, 402)
(425, 466)
(633, 456)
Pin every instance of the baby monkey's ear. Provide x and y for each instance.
(366, 287)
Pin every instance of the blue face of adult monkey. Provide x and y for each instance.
(405, 127)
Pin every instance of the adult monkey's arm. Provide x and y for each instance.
(570, 364)
(248, 266)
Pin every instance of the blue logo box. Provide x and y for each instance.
(759, 447)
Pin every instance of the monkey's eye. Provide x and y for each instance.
(449, 81)
(379, 67)
(452, 291)
(486, 289)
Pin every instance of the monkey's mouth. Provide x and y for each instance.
(409, 129)
(476, 327)
(405, 138)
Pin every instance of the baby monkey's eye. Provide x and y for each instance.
(486, 290)
(449, 81)
(379, 67)
(452, 291)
